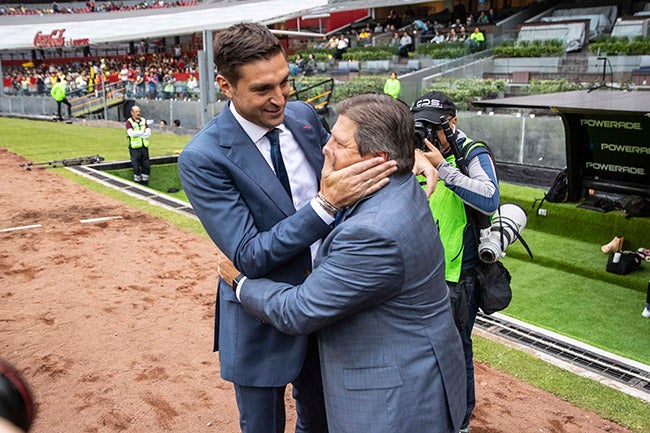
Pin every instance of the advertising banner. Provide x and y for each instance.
(612, 149)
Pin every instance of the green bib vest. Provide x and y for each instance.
(138, 142)
(448, 211)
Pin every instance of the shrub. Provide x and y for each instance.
(538, 87)
(365, 54)
(358, 85)
(465, 90)
(549, 48)
(605, 46)
(320, 56)
(447, 50)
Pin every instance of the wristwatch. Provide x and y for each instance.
(236, 281)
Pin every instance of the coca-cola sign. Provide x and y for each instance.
(56, 39)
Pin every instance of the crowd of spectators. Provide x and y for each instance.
(173, 74)
(164, 76)
(91, 6)
(462, 26)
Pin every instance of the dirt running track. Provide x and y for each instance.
(111, 322)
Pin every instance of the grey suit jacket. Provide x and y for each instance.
(250, 217)
(391, 357)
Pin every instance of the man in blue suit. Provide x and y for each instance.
(391, 357)
(264, 216)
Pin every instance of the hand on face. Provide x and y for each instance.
(347, 185)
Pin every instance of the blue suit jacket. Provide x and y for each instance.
(250, 217)
(391, 357)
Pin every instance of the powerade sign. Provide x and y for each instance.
(613, 147)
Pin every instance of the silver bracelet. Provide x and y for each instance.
(326, 204)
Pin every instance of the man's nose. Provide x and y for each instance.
(280, 95)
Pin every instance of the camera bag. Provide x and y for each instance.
(626, 263)
(558, 191)
(494, 283)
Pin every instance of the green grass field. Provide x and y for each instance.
(564, 289)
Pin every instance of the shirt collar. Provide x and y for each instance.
(254, 132)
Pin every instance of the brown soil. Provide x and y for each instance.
(111, 322)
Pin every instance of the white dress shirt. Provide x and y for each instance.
(302, 177)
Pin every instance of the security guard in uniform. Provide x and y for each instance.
(138, 134)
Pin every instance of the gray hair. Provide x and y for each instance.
(384, 124)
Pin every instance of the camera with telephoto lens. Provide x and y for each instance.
(424, 129)
(507, 224)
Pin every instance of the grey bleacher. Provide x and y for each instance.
(601, 18)
(631, 27)
(574, 35)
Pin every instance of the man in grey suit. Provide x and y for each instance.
(265, 217)
(391, 358)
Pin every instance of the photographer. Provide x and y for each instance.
(467, 189)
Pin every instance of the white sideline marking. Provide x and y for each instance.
(11, 229)
(96, 220)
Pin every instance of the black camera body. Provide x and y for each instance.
(424, 129)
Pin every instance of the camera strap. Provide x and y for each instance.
(479, 220)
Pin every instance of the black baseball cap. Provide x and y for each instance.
(431, 106)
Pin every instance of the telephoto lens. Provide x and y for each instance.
(508, 222)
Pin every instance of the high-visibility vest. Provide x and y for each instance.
(58, 91)
(138, 142)
(451, 218)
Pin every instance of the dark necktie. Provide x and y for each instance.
(276, 158)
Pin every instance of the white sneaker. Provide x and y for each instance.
(645, 312)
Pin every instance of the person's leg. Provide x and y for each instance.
(146, 165)
(58, 109)
(308, 393)
(646, 311)
(261, 410)
(66, 102)
(135, 164)
(466, 337)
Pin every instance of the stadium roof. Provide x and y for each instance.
(82, 29)
(579, 101)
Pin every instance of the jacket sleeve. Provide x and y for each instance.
(480, 190)
(226, 201)
(363, 269)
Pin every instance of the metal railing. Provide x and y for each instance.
(100, 100)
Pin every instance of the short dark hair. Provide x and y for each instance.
(384, 124)
(241, 44)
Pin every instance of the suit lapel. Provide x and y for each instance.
(239, 148)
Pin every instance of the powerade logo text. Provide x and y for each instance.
(612, 124)
(613, 168)
(625, 148)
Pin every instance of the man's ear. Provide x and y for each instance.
(383, 155)
(225, 86)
